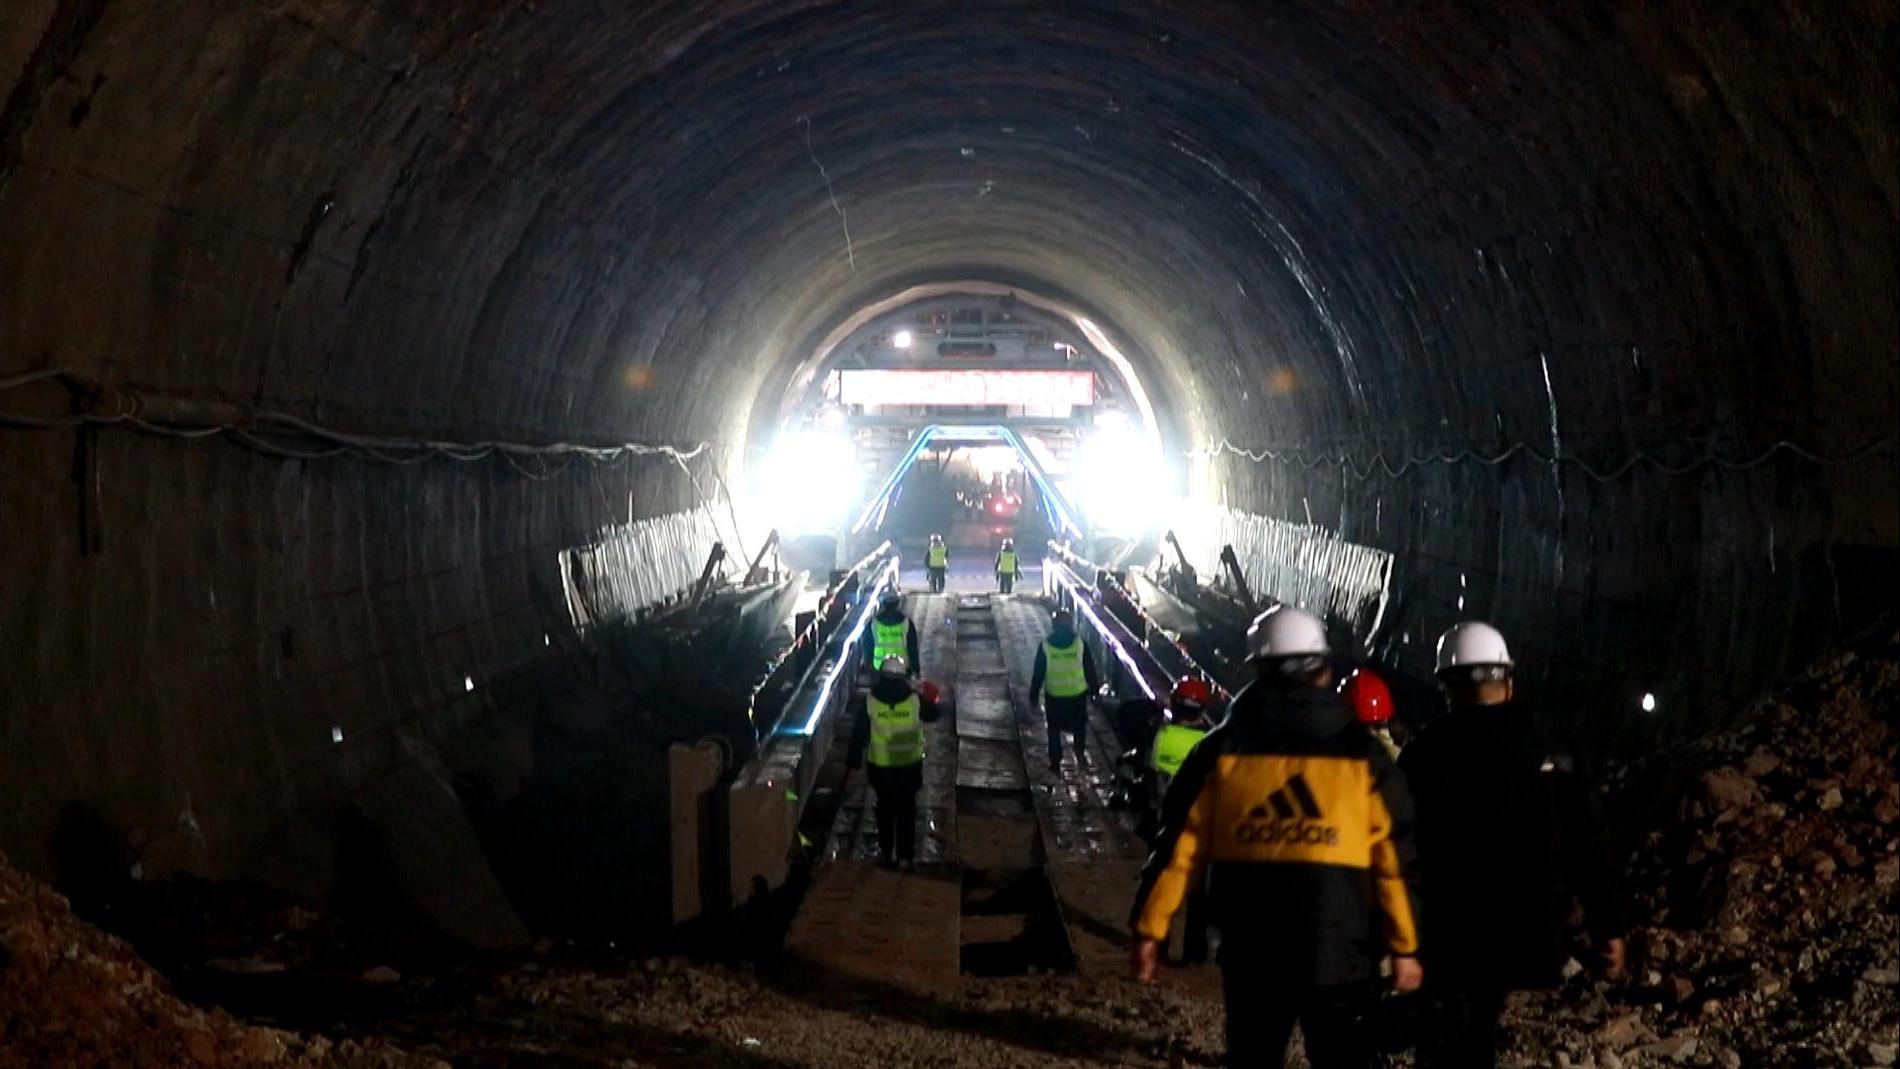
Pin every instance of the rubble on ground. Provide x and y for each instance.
(72, 997)
(1766, 907)
(1766, 937)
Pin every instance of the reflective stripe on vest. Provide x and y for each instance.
(889, 640)
(1172, 745)
(938, 556)
(1006, 562)
(1065, 678)
(897, 732)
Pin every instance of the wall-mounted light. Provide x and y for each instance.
(902, 339)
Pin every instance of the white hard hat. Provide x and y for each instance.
(1472, 644)
(892, 666)
(1284, 631)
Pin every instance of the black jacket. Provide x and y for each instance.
(869, 641)
(1040, 673)
(1306, 826)
(1512, 835)
(887, 690)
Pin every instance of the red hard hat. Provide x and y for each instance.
(1368, 695)
(1191, 691)
(929, 692)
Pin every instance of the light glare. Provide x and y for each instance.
(1119, 481)
(902, 339)
(807, 482)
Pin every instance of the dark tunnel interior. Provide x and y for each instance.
(1583, 313)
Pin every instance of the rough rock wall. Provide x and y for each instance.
(1636, 230)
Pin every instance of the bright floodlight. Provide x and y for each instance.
(833, 418)
(1119, 481)
(902, 340)
(807, 482)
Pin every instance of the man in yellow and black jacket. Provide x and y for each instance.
(1303, 826)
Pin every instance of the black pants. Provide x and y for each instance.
(1006, 582)
(1260, 1018)
(936, 579)
(1195, 925)
(1467, 1036)
(1068, 716)
(897, 809)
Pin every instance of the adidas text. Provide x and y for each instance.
(1290, 832)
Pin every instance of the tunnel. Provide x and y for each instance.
(330, 333)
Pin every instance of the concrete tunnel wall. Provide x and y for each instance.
(1632, 230)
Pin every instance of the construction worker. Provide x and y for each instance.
(1188, 720)
(1371, 702)
(1063, 679)
(1513, 839)
(890, 634)
(937, 563)
(889, 739)
(1303, 825)
(1006, 566)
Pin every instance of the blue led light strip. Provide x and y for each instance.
(845, 659)
(875, 509)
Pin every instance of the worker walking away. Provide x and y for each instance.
(890, 634)
(1186, 722)
(1304, 826)
(937, 563)
(1371, 703)
(1063, 679)
(1513, 838)
(1006, 567)
(889, 740)
(1189, 717)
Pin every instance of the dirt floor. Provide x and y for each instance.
(1769, 938)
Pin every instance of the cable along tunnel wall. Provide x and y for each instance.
(1606, 232)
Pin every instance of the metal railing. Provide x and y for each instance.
(790, 672)
(1169, 654)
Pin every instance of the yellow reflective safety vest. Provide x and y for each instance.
(890, 640)
(897, 732)
(1172, 745)
(1065, 677)
(937, 556)
(1006, 562)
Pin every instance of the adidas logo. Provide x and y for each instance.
(1289, 815)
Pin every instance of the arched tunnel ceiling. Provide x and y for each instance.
(525, 202)
(1604, 232)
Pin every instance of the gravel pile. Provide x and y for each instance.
(1769, 895)
(72, 997)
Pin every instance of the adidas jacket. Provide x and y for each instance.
(1305, 825)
